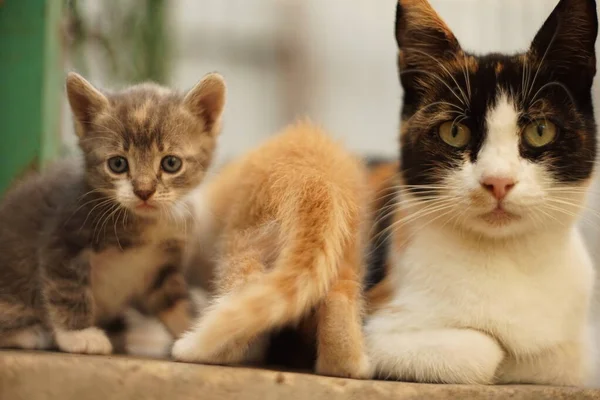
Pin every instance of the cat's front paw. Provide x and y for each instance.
(86, 341)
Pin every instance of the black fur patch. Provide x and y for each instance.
(552, 80)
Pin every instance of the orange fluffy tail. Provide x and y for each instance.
(301, 277)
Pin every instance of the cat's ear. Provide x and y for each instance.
(566, 40)
(423, 38)
(206, 100)
(85, 101)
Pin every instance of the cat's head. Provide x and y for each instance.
(147, 146)
(497, 144)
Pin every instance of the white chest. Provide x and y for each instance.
(528, 296)
(120, 276)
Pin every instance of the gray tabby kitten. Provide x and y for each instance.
(78, 245)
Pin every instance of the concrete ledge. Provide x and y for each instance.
(42, 375)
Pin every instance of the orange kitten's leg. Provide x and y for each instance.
(240, 266)
(341, 349)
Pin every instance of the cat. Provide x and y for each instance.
(286, 222)
(491, 280)
(79, 244)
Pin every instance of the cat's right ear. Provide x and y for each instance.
(85, 101)
(206, 100)
(424, 40)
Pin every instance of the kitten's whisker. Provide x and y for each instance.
(104, 219)
(102, 204)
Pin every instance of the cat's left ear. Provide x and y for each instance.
(85, 100)
(206, 100)
(566, 40)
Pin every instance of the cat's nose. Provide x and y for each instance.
(498, 186)
(144, 194)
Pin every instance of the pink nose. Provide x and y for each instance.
(498, 186)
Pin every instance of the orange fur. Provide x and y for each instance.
(290, 219)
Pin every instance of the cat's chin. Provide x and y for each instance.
(498, 225)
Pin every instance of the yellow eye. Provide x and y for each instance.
(539, 133)
(456, 135)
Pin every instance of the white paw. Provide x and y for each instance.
(86, 341)
(188, 349)
(146, 336)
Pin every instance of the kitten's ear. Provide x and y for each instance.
(566, 40)
(422, 37)
(206, 100)
(85, 101)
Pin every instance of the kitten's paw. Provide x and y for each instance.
(189, 349)
(86, 341)
(344, 368)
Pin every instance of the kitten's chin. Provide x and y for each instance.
(145, 210)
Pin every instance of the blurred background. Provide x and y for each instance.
(331, 60)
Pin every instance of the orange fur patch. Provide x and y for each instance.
(291, 216)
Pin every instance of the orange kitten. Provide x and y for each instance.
(286, 222)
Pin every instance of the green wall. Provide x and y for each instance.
(31, 79)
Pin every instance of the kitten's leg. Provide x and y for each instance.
(340, 340)
(238, 268)
(21, 327)
(70, 304)
(460, 356)
(169, 299)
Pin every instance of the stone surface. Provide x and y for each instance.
(36, 376)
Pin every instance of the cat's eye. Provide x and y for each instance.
(118, 164)
(455, 134)
(171, 164)
(540, 133)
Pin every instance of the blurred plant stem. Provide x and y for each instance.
(131, 37)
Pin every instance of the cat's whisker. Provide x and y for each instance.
(465, 100)
(428, 210)
(391, 209)
(531, 86)
(578, 207)
(429, 222)
(435, 76)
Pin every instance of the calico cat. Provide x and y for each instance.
(286, 222)
(81, 243)
(492, 282)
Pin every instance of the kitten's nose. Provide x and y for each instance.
(498, 186)
(144, 194)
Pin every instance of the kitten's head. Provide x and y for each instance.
(497, 144)
(147, 146)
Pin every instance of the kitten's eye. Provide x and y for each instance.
(171, 164)
(118, 164)
(539, 133)
(456, 135)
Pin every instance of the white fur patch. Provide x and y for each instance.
(118, 276)
(86, 341)
(478, 302)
